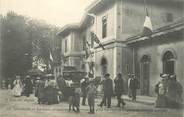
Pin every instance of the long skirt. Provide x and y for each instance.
(17, 90)
(77, 100)
(91, 100)
(161, 101)
(51, 95)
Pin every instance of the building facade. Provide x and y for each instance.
(72, 46)
(118, 24)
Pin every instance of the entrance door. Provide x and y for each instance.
(145, 75)
(103, 66)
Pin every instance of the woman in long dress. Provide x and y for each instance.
(17, 89)
(40, 91)
(51, 92)
(174, 93)
(161, 92)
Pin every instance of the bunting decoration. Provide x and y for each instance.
(96, 39)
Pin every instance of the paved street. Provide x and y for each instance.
(27, 107)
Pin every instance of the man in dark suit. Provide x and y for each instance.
(108, 90)
(134, 84)
(119, 87)
(84, 85)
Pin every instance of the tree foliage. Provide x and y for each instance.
(22, 38)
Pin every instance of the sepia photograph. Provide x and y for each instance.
(98, 58)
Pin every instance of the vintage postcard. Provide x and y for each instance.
(102, 58)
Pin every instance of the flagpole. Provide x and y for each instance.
(145, 8)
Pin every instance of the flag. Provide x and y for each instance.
(49, 66)
(96, 39)
(88, 43)
(86, 53)
(35, 46)
(51, 58)
(147, 30)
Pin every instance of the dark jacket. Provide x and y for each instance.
(41, 90)
(119, 83)
(174, 91)
(108, 87)
(84, 87)
(28, 86)
(134, 84)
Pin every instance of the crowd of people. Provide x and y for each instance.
(22, 87)
(169, 92)
(46, 90)
(50, 91)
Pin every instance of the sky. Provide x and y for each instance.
(56, 12)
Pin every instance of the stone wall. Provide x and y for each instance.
(156, 49)
(133, 15)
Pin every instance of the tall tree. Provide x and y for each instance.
(19, 36)
(15, 45)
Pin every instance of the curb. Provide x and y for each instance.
(139, 101)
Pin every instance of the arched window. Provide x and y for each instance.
(168, 63)
(103, 66)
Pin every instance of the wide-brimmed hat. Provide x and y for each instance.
(28, 76)
(164, 75)
(17, 77)
(133, 75)
(172, 76)
(38, 78)
(82, 80)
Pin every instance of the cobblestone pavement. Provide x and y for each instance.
(27, 107)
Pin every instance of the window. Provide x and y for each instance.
(127, 68)
(168, 63)
(128, 11)
(169, 17)
(66, 45)
(56, 70)
(84, 42)
(59, 70)
(103, 66)
(104, 27)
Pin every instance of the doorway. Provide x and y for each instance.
(103, 66)
(145, 75)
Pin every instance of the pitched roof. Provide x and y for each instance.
(65, 30)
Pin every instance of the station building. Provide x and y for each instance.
(118, 24)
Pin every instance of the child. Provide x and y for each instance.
(91, 97)
(71, 98)
(76, 102)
